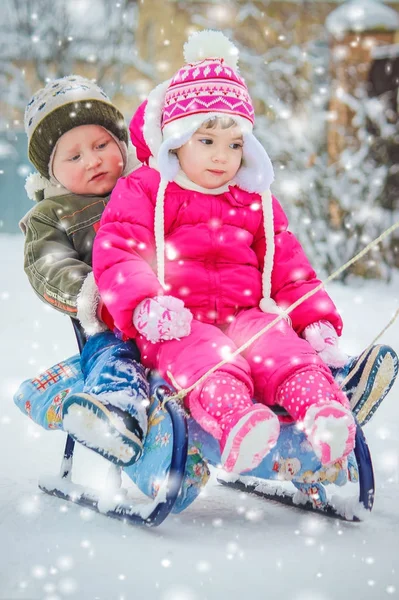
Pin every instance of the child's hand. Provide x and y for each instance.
(323, 338)
(162, 318)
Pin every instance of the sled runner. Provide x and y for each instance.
(111, 503)
(310, 492)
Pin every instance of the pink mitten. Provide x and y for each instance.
(162, 318)
(324, 339)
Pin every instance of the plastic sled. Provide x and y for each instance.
(176, 452)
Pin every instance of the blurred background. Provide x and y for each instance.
(323, 76)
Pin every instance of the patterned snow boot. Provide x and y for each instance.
(367, 380)
(246, 431)
(323, 411)
(97, 423)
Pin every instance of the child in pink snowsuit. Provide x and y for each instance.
(193, 258)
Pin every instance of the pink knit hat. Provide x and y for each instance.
(207, 86)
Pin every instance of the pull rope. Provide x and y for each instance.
(182, 392)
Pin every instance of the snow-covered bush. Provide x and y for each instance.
(334, 208)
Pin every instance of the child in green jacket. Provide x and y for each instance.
(78, 142)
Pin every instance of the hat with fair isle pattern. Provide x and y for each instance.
(62, 105)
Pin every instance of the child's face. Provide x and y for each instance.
(212, 157)
(87, 161)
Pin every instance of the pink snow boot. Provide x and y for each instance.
(322, 410)
(248, 437)
(246, 431)
(330, 429)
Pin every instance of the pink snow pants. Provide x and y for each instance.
(263, 367)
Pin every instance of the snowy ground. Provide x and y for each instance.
(226, 545)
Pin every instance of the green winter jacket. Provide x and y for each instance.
(58, 247)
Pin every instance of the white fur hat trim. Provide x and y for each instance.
(153, 117)
(256, 173)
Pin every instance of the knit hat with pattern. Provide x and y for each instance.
(207, 86)
(62, 105)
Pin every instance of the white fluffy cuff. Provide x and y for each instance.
(87, 304)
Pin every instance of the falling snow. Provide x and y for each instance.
(226, 540)
(227, 544)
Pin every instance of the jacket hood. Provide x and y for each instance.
(136, 128)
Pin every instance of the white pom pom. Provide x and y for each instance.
(35, 183)
(268, 305)
(210, 44)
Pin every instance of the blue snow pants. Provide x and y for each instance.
(107, 364)
(111, 365)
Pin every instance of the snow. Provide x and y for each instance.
(361, 15)
(388, 51)
(227, 544)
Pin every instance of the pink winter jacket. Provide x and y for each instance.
(214, 252)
